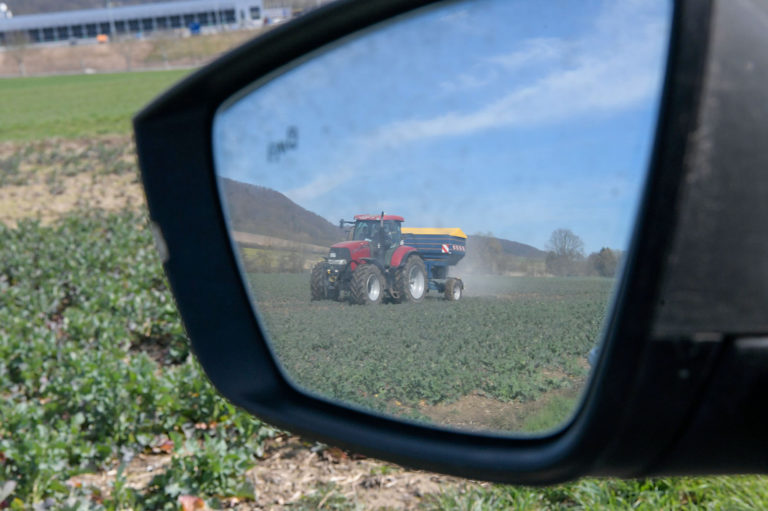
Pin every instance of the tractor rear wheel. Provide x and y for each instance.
(317, 282)
(411, 281)
(367, 286)
(454, 288)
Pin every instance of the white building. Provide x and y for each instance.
(133, 19)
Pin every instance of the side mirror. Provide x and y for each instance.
(444, 109)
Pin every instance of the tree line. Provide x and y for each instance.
(565, 257)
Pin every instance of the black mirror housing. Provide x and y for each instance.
(663, 398)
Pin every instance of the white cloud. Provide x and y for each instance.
(321, 185)
(609, 69)
(533, 51)
(456, 16)
(464, 82)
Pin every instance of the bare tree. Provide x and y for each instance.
(563, 242)
(16, 44)
(565, 253)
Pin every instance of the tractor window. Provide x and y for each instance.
(363, 231)
(370, 230)
(393, 230)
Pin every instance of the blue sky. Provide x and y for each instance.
(502, 116)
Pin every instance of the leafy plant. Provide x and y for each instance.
(9, 169)
(94, 364)
(211, 467)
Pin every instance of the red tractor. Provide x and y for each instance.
(379, 261)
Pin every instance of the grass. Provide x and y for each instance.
(77, 105)
(553, 413)
(682, 493)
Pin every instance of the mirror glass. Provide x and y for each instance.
(431, 215)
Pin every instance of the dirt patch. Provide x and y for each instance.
(169, 51)
(478, 412)
(138, 473)
(293, 471)
(554, 374)
(47, 179)
(47, 202)
(159, 349)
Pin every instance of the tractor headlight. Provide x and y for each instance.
(340, 262)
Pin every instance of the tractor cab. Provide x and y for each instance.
(372, 231)
(382, 232)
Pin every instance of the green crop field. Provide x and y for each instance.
(76, 105)
(96, 374)
(518, 340)
(94, 370)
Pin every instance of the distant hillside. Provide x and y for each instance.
(259, 210)
(496, 256)
(508, 247)
(263, 211)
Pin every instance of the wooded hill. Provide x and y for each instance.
(508, 247)
(259, 210)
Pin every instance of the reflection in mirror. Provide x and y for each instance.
(486, 159)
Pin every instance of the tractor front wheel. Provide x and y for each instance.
(411, 281)
(367, 286)
(317, 282)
